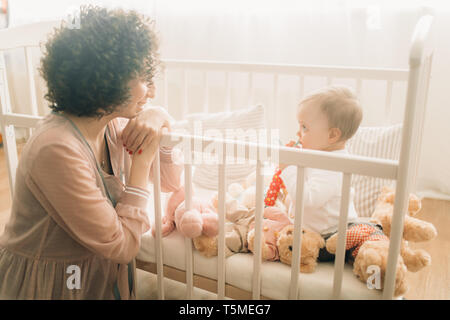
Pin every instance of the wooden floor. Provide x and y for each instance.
(432, 282)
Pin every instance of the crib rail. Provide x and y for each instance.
(348, 164)
(383, 168)
(313, 70)
(358, 75)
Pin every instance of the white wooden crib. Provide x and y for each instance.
(213, 274)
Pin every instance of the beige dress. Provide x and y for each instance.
(74, 230)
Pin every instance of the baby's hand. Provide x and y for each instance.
(291, 144)
(294, 144)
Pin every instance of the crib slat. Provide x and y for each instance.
(388, 103)
(256, 285)
(221, 239)
(329, 81)
(188, 241)
(227, 92)
(166, 89)
(9, 136)
(275, 112)
(358, 87)
(250, 89)
(158, 227)
(185, 94)
(301, 87)
(31, 82)
(342, 230)
(297, 245)
(206, 90)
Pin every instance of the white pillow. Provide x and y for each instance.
(378, 142)
(206, 175)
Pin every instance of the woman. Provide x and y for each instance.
(80, 198)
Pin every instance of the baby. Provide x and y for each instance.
(327, 119)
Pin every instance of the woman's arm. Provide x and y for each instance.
(171, 168)
(64, 182)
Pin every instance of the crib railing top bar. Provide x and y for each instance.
(20, 120)
(354, 164)
(374, 167)
(318, 70)
(367, 73)
(28, 35)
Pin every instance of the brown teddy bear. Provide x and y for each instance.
(367, 243)
(273, 222)
(277, 239)
(311, 243)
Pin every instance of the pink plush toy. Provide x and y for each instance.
(201, 219)
(168, 220)
(274, 221)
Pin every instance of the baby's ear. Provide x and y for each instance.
(334, 135)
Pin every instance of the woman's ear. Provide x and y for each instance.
(151, 91)
(334, 135)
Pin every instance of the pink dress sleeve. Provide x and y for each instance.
(171, 168)
(65, 183)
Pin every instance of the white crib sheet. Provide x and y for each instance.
(275, 276)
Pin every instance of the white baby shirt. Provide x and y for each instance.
(322, 197)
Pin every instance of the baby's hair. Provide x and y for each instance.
(341, 106)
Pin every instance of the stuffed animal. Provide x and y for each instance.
(274, 220)
(275, 194)
(414, 229)
(245, 192)
(278, 237)
(239, 213)
(238, 219)
(201, 219)
(311, 243)
(168, 220)
(368, 243)
(276, 189)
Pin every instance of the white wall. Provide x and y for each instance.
(328, 32)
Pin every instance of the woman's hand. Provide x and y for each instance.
(142, 161)
(141, 130)
(149, 150)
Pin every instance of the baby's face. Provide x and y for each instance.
(313, 127)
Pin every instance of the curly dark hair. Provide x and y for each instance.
(87, 69)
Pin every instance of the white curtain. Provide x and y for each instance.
(366, 33)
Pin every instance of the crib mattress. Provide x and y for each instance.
(275, 276)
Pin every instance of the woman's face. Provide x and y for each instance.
(139, 93)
